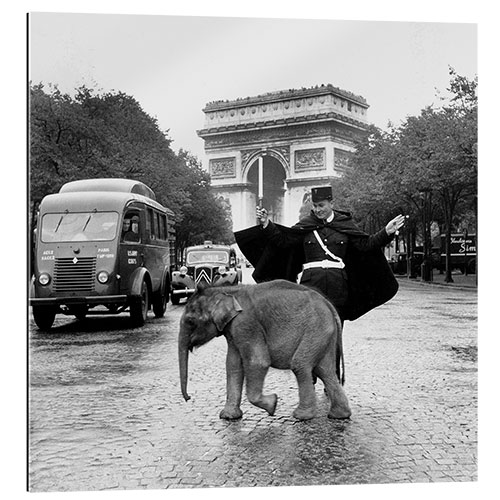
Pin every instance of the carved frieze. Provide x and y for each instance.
(341, 160)
(310, 159)
(288, 133)
(223, 167)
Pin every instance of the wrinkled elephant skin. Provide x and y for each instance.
(274, 324)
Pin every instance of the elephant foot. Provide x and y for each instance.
(231, 413)
(269, 403)
(304, 413)
(339, 413)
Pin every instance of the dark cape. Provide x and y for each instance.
(370, 279)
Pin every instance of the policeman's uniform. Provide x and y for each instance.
(326, 245)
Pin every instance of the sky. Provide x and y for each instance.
(174, 65)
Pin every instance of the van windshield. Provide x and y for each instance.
(81, 226)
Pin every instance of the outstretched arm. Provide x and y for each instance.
(383, 237)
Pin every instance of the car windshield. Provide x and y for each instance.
(81, 226)
(205, 256)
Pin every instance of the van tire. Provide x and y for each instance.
(160, 300)
(44, 316)
(140, 306)
(175, 299)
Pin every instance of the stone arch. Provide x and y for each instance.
(274, 181)
(248, 162)
(307, 136)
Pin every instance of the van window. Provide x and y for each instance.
(151, 221)
(163, 227)
(131, 230)
(81, 226)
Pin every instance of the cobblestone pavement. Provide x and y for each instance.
(106, 410)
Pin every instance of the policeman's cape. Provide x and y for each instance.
(371, 281)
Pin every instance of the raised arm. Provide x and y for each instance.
(279, 238)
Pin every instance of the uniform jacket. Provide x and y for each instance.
(370, 279)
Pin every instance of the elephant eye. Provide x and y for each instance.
(190, 321)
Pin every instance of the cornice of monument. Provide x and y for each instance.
(281, 122)
(285, 95)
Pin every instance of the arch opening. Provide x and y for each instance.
(273, 188)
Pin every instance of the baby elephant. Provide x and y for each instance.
(275, 324)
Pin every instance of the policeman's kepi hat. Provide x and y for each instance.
(321, 193)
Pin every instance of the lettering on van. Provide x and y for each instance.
(104, 253)
(48, 255)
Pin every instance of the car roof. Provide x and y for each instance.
(208, 247)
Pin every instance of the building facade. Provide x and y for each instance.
(274, 147)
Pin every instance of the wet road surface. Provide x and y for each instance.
(106, 411)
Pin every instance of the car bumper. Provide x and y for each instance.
(183, 291)
(94, 300)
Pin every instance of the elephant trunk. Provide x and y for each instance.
(183, 364)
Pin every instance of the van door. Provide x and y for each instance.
(130, 254)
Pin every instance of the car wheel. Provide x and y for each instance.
(140, 305)
(44, 316)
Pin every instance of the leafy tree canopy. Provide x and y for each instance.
(95, 135)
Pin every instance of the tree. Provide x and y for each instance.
(426, 168)
(95, 135)
(203, 216)
(438, 153)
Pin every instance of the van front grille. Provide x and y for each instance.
(75, 274)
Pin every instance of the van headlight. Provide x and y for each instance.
(183, 270)
(44, 279)
(102, 277)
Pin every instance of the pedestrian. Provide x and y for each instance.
(325, 250)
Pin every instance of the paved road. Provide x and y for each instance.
(106, 411)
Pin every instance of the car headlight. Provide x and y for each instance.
(102, 277)
(44, 279)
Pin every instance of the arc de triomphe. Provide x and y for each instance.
(301, 139)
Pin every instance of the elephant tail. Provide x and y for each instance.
(339, 358)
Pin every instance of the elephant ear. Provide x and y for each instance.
(225, 309)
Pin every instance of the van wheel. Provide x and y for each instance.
(175, 299)
(44, 316)
(139, 306)
(160, 303)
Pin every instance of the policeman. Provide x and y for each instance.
(331, 247)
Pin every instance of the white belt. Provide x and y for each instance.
(324, 264)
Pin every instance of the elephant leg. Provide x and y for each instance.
(307, 397)
(326, 371)
(234, 385)
(256, 366)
